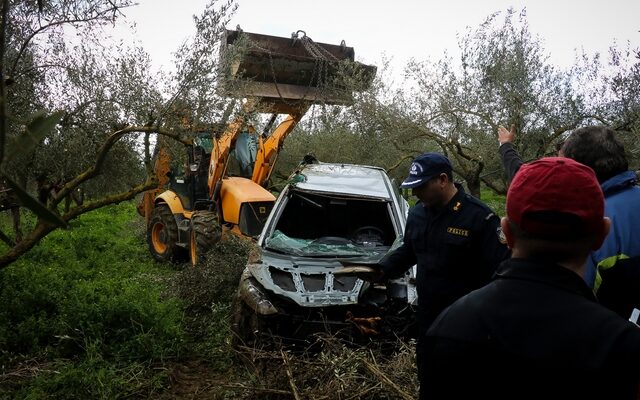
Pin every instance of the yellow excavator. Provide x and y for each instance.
(222, 184)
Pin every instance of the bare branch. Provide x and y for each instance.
(112, 199)
(397, 164)
(43, 228)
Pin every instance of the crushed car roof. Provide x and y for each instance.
(344, 179)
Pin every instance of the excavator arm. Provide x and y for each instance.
(268, 148)
(220, 154)
(162, 166)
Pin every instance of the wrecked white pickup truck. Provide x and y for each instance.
(328, 215)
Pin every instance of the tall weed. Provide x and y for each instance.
(90, 298)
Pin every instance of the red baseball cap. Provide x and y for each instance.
(557, 186)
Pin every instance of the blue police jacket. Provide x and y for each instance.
(456, 249)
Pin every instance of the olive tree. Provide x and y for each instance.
(503, 77)
(107, 102)
(610, 89)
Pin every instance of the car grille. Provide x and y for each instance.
(344, 283)
(312, 282)
(283, 279)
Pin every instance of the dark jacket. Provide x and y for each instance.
(619, 289)
(511, 160)
(456, 251)
(536, 331)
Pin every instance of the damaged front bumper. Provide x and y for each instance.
(252, 294)
(370, 311)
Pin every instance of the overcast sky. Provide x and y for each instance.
(401, 29)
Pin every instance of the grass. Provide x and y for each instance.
(495, 201)
(87, 314)
(90, 305)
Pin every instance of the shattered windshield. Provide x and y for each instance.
(327, 246)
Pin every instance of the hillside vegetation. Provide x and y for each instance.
(87, 314)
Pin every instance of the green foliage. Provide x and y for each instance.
(39, 125)
(93, 378)
(210, 335)
(90, 294)
(495, 201)
(218, 277)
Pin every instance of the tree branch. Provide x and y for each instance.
(102, 154)
(27, 41)
(493, 187)
(43, 228)
(397, 164)
(150, 183)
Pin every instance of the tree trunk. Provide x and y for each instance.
(472, 177)
(41, 230)
(473, 184)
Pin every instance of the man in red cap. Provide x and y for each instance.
(613, 270)
(537, 331)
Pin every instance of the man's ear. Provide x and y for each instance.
(444, 179)
(606, 227)
(506, 229)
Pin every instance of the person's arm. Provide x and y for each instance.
(392, 265)
(511, 160)
(395, 263)
(398, 262)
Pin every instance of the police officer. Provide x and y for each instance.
(453, 237)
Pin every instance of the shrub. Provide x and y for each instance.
(91, 300)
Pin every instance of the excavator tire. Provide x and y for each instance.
(205, 233)
(162, 235)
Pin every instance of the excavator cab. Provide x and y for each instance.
(188, 177)
(276, 75)
(243, 155)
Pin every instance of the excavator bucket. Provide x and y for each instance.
(283, 70)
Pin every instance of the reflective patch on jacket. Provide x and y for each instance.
(458, 231)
